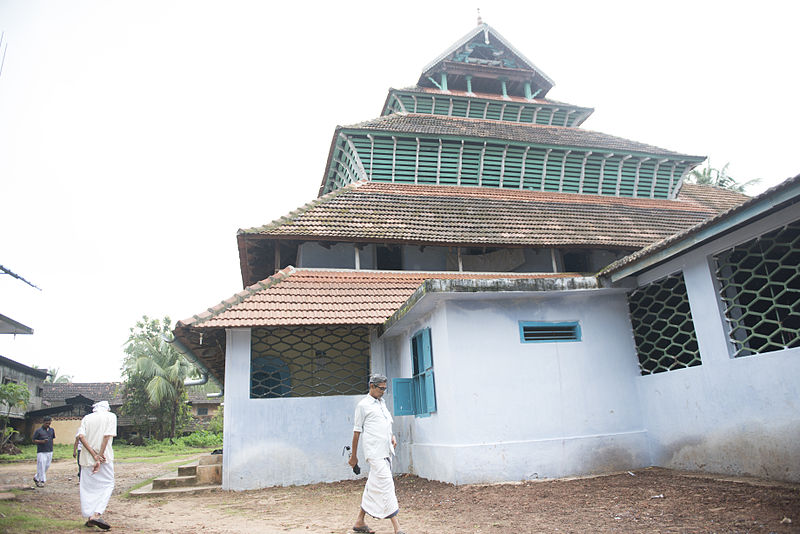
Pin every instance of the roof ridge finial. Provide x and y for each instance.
(480, 20)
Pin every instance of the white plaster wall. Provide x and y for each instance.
(511, 411)
(728, 415)
(278, 442)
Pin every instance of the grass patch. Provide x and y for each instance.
(159, 459)
(154, 452)
(60, 452)
(157, 451)
(19, 519)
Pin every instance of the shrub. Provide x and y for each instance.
(202, 439)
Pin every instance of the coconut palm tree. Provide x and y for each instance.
(158, 365)
(719, 178)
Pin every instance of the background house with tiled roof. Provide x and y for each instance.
(453, 247)
(67, 402)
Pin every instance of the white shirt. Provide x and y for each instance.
(374, 422)
(93, 427)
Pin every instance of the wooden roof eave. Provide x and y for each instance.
(212, 355)
(483, 97)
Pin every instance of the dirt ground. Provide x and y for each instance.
(649, 500)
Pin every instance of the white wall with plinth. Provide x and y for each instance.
(508, 410)
(730, 415)
(281, 441)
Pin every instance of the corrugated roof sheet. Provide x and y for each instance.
(450, 216)
(437, 125)
(297, 296)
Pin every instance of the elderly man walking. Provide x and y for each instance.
(374, 422)
(43, 438)
(96, 434)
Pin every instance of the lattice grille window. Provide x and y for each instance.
(308, 361)
(759, 284)
(662, 326)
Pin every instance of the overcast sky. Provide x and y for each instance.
(136, 137)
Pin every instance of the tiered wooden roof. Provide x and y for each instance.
(474, 155)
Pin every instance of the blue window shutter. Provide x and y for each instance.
(427, 354)
(430, 392)
(403, 393)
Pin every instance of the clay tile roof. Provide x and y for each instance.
(296, 296)
(716, 198)
(449, 216)
(418, 124)
(200, 397)
(96, 391)
(718, 221)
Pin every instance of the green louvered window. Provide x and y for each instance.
(452, 161)
(476, 108)
(759, 282)
(663, 329)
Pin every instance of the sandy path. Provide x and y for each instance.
(650, 500)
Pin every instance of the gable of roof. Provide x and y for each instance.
(490, 34)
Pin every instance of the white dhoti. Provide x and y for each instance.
(43, 460)
(96, 489)
(379, 499)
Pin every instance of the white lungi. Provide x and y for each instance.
(96, 489)
(43, 460)
(379, 499)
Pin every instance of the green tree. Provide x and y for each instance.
(11, 395)
(55, 378)
(709, 175)
(155, 372)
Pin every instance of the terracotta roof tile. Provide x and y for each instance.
(449, 216)
(419, 124)
(327, 297)
(734, 210)
(716, 198)
(96, 391)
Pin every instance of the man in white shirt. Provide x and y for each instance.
(96, 434)
(374, 422)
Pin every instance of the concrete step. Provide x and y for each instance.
(201, 475)
(187, 470)
(210, 459)
(174, 482)
(188, 490)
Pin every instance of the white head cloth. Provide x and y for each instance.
(102, 405)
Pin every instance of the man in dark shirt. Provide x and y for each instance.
(43, 438)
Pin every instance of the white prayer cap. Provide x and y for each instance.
(101, 405)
